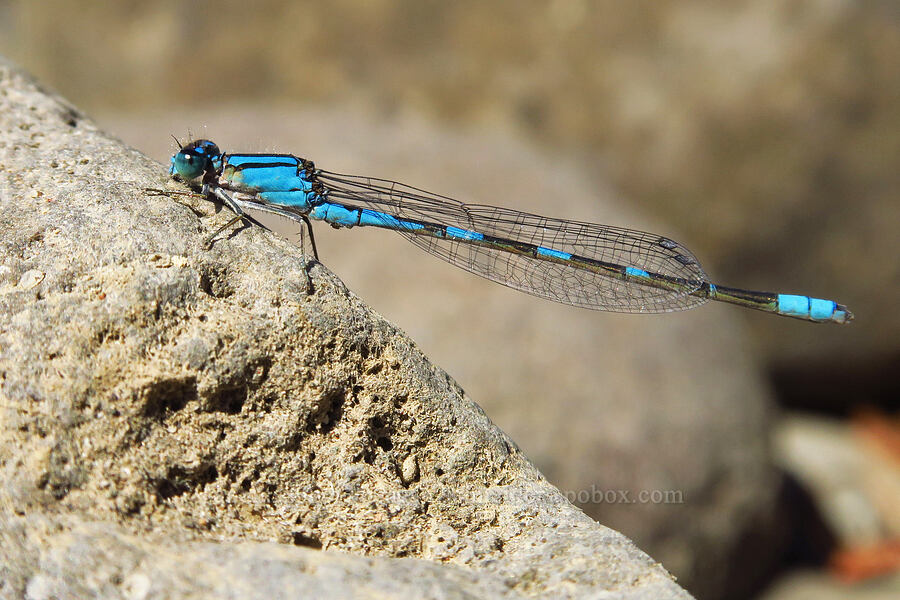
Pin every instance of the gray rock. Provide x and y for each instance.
(176, 420)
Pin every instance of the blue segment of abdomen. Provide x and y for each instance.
(342, 216)
(551, 253)
(463, 234)
(270, 173)
(805, 307)
(633, 272)
(380, 219)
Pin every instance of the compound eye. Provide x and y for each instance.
(195, 159)
(187, 165)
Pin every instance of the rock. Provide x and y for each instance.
(177, 420)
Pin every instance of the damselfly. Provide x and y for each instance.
(600, 267)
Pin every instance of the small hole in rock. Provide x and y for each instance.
(301, 539)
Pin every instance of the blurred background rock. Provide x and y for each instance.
(764, 135)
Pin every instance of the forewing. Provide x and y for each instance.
(558, 281)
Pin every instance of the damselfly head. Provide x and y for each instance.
(195, 159)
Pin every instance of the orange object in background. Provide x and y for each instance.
(882, 431)
(857, 564)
